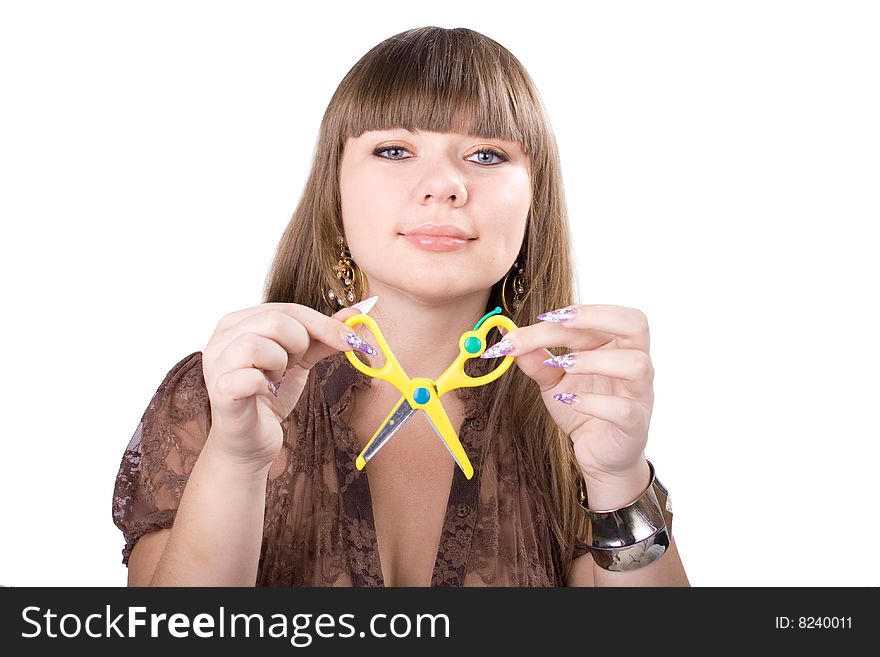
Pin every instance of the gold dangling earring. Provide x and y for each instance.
(519, 286)
(346, 272)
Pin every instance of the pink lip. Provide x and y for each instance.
(439, 231)
(434, 237)
(437, 242)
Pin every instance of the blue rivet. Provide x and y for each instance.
(422, 395)
(472, 345)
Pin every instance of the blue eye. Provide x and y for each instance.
(491, 151)
(378, 152)
(389, 148)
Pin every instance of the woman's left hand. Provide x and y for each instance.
(604, 396)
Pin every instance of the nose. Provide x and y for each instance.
(443, 185)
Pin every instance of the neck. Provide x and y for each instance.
(423, 334)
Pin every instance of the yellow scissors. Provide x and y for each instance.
(424, 394)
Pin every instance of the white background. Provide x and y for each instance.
(721, 166)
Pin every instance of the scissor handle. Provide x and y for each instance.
(470, 345)
(391, 371)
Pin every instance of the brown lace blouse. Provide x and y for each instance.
(319, 528)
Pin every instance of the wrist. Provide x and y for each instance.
(227, 467)
(612, 491)
(625, 533)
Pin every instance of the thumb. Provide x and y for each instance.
(532, 365)
(318, 351)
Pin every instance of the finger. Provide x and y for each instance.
(627, 414)
(237, 393)
(298, 330)
(631, 366)
(251, 350)
(241, 384)
(319, 350)
(527, 339)
(235, 317)
(628, 325)
(532, 366)
(318, 325)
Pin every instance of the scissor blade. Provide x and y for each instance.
(466, 468)
(396, 419)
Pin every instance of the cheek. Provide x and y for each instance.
(512, 199)
(371, 187)
(352, 192)
(364, 203)
(366, 217)
(520, 193)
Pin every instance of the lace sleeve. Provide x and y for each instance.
(161, 454)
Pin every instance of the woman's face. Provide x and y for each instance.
(393, 181)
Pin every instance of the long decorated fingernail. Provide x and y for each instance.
(366, 305)
(561, 315)
(502, 348)
(563, 361)
(273, 387)
(356, 342)
(566, 397)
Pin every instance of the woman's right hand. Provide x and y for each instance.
(250, 348)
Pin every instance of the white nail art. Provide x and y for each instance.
(564, 361)
(502, 348)
(366, 305)
(560, 315)
(357, 342)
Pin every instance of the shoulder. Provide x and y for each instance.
(188, 368)
(187, 373)
(182, 392)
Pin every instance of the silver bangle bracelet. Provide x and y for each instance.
(634, 535)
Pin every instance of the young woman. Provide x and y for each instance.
(436, 188)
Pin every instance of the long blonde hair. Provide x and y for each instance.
(437, 79)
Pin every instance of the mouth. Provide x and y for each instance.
(449, 236)
(437, 242)
(435, 230)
